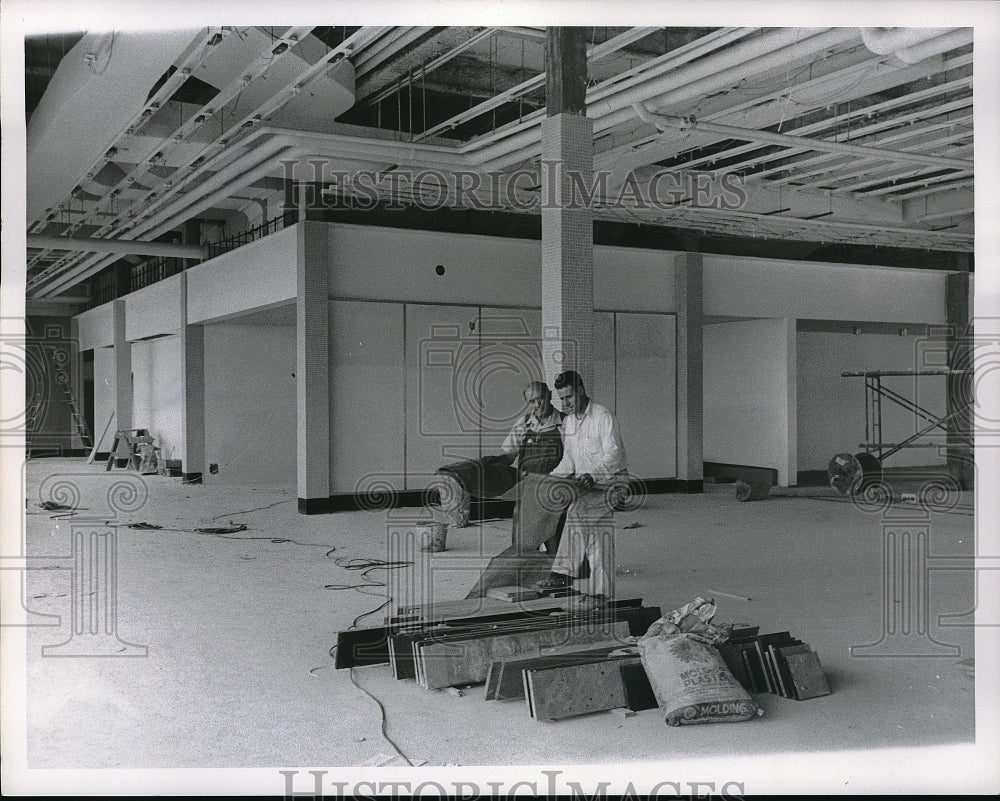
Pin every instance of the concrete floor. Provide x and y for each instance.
(238, 630)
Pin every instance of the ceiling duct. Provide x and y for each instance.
(96, 91)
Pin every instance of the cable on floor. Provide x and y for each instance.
(366, 566)
(257, 509)
(962, 511)
(220, 532)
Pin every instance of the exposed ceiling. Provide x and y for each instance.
(844, 136)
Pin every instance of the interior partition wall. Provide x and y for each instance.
(415, 386)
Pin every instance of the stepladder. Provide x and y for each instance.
(135, 448)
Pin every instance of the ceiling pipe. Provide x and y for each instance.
(490, 153)
(719, 71)
(855, 115)
(594, 55)
(356, 42)
(931, 47)
(88, 245)
(61, 270)
(883, 41)
(247, 178)
(664, 123)
(235, 169)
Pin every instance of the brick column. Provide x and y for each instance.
(690, 346)
(313, 367)
(192, 393)
(123, 369)
(567, 218)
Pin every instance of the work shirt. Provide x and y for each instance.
(529, 422)
(592, 444)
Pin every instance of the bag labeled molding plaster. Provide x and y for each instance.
(689, 678)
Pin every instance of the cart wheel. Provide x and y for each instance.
(849, 473)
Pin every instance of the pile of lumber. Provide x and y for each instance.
(775, 663)
(559, 663)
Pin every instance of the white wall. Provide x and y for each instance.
(259, 274)
(398, 264)
(153, 310)
(367, 427)
(831, 409)
(746, 377)
(646, 392)
(250, 429)
(96, 328)
(156, 400)
(104, 395)
(463, 382)
(738, 286)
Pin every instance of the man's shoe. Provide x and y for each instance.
(581, 604)
(554, 582)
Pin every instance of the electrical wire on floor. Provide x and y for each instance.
(256, 509)
(366, 566)
(962, 511)
(222, 532)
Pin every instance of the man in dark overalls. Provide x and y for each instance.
(534, 443)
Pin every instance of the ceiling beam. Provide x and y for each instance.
(138, 247)
(754, 135)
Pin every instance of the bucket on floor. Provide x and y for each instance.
(433, 536)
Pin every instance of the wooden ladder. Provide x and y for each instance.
(126, 447)
(64, 380)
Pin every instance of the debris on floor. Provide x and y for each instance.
(52, 506)
(230, 529)
(752, 491)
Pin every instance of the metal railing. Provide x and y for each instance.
(149, 272)
(251, 234)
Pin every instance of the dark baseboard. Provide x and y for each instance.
(667, 486)
(721, 471)
(191, 478)
(56, 451)
(812, 478)
(314, 506)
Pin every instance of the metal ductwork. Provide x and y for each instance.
(98, 88)
(913, 45)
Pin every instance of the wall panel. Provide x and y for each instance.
(367, 389)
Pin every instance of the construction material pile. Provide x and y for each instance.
(625, 657)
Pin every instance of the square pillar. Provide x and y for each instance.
(690, 389)
(567, 247)
(192, 393)
(123, 369)
(312, 370)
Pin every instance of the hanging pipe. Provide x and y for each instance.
(883, 41)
